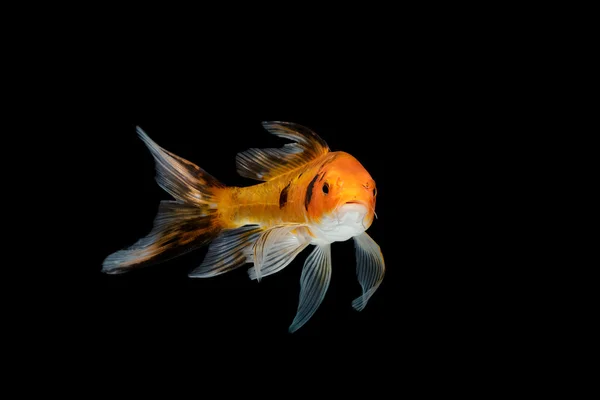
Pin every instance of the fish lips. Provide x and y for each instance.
(353, 213)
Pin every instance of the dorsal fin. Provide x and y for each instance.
(266, 164)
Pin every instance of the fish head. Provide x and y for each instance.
(342, 198)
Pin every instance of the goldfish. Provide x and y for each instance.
(308, 196)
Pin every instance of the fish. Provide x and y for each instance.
(308, 196)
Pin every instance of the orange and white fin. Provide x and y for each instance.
(266, 164)
(178, 229)
(181, 225)
(180, 178)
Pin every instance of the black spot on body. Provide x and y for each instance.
(283, 196)
(309, 191)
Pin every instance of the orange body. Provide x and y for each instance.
(299, 197)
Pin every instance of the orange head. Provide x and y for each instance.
(340, 199)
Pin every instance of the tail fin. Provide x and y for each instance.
(180, 226)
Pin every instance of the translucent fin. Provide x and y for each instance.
(178, 229)
(265, 244)
(266, 164)
(279, 255)
(370, 268)
(314, 282)
(180, 178)
(180, 226)
(227, 252)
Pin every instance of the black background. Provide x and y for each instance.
(419, 295)
(162, 297)
(416, 129)
(440, 108)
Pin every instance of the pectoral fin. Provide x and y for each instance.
(275, 249)
(266, 164)
(370, 268)
(314, 282)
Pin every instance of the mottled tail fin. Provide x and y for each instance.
(181, 225)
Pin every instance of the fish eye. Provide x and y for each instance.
(326, 188)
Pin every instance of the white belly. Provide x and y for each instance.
(346, 223)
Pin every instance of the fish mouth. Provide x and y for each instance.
(361, 202)
(352, 212)
(362, 208)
